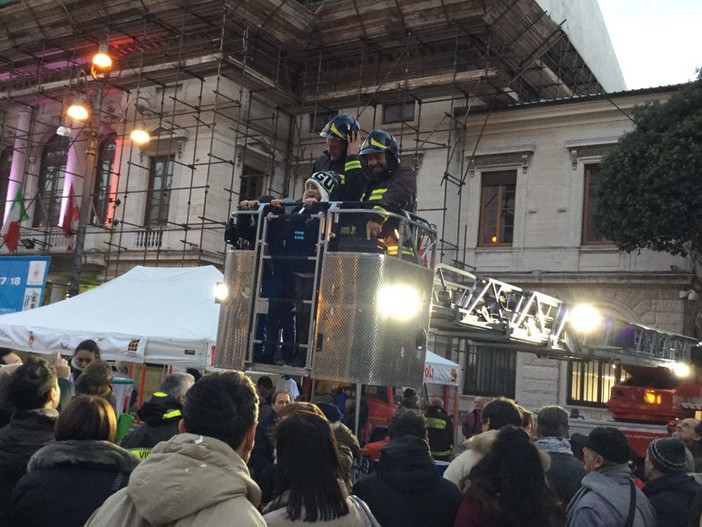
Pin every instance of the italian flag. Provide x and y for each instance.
(11, 228)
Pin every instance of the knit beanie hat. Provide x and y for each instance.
(667, 454)
(409, 392)
(326, 182)
(330, 411)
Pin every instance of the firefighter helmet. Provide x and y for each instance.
(340, 127)
(380, 141)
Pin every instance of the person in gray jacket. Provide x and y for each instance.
(566, 472)
(608, 496)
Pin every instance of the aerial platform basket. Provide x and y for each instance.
(369, 313)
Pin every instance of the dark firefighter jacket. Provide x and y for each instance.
(350, 172)
(440, 433)
(160, 418)
(387, 192)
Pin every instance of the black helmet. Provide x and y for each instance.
(340, 127)
(380, 141)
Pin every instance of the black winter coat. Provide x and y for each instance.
(27, 432)
(672, 496)
(406, 490)
(67, 481)
(564, 476)
(160, 417)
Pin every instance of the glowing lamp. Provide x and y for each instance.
(102, 60)
(584, 318)
(140, 136)
(680, 369)
(399, 301)
(78, 111)
(221, 292)
(651, 397)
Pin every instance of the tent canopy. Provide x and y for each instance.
(150, 314)
(438, 370)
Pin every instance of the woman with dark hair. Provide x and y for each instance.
(507, 488)
(85, 353)
(309, 488)
(96, 379)
(69, 479)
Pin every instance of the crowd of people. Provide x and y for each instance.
(220, 450)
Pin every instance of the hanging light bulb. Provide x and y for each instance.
(78, 110)
(139, 135)
(102, 62)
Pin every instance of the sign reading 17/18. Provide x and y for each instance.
(22, 282)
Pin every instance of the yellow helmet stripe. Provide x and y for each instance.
(377, 144)
(336, 131)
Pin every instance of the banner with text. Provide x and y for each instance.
(22, 282)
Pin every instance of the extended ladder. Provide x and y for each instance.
(488, 310)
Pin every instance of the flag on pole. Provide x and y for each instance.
(11, 228)
(70, 218)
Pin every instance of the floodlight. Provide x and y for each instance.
(584, 318)
(399, 301)
(680, 369)
(221, 292)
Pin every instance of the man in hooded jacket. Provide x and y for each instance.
(669, 489)
(406, 490)
(608, 496)
(160, 415)
(200, 476)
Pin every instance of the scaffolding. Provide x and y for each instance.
(231, 93)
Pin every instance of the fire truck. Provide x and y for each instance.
(371, 305)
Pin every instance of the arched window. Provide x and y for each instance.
(5, 166)
(51, 177)
(103, 174)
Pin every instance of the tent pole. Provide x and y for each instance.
(357, 417)
(142, 381)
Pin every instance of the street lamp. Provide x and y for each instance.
(88, 111)
(79, 111)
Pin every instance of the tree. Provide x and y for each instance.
(649, 188)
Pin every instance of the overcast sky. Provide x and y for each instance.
(657, 42)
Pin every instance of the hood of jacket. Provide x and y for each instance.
(97, 454)
(481, 442)
(406, 465)
(160, 410)
(187, 474)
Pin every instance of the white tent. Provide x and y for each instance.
(438, 370)
(150, 314)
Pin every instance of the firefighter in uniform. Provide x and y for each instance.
(343, 141)
(439, 430)
(389, 183)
